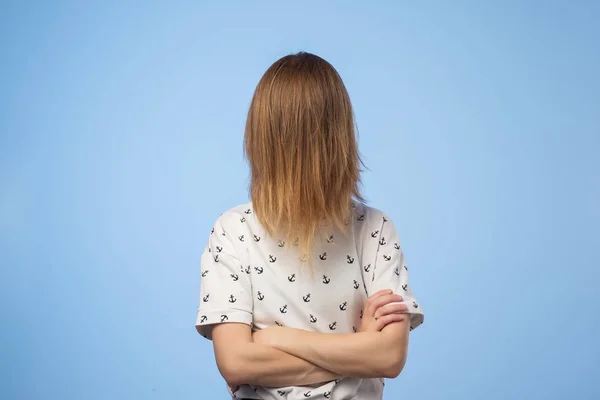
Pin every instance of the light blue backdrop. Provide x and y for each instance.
(121, 127)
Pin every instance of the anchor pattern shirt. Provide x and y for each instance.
(251, 278)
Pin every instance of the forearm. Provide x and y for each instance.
(262, 365)
(362, 354)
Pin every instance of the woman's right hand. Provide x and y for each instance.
(378, 312)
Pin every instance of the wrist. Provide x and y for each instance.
(273, 336)
(280, 338)
(296, 342)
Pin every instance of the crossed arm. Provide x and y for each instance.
(278, 357)
(243, 361)
(362, 355)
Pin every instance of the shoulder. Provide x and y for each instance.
(234, 215)
(232, 220)
(370, 215)
(372, 222)
(227, 227)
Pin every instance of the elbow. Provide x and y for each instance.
(233, 378)
(393, 365)
(233, 372)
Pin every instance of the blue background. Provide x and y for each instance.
(121, 142)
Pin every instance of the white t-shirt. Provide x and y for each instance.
(251, 278)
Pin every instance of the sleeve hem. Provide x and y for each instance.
(416, 319)
(414, 311)
(205, 319)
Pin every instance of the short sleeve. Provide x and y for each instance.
(225, 289)
(389, 269)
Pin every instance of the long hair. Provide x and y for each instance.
(301, 146)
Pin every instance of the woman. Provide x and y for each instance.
(304, 290)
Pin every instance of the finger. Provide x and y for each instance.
(388, 319)
(383, 300)
(380, 293)
(375, 303)
(390, 309)
(368, 303)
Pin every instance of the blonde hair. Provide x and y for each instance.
(301, 146)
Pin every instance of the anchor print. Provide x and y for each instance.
(374, 234)
(277, 323)
(204, 273)
(360, 218)
(205, 298)
(406, 267)
(292, 278)
(248, 211)
(386, 257)
(203, 318)
(306, 298)
(212, 231)
(385, 219)
(307, 394)
(382, 241)
(349, 259)
(234, 277)
(216, 258)
(367, 267)
(281, 392)
(397, 271)
(283, 309)
(356, 285)
(327, 394)
(296, 242)
(354, 329)
(260, 296)
(256, 238)
(397, 246)
(405, 287)
(259, 270)
(330, 239)
(224, 318)
(219, 249)
(323, 256)
(281, 243)
(223, 233)
(232, 299)
(343, 306)
(361, 314)
(272, 258)
(326, 280)
(247, 269)
(242, 220)
(332, 326)
(313, 319)
(415, 305)
(241, 238)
